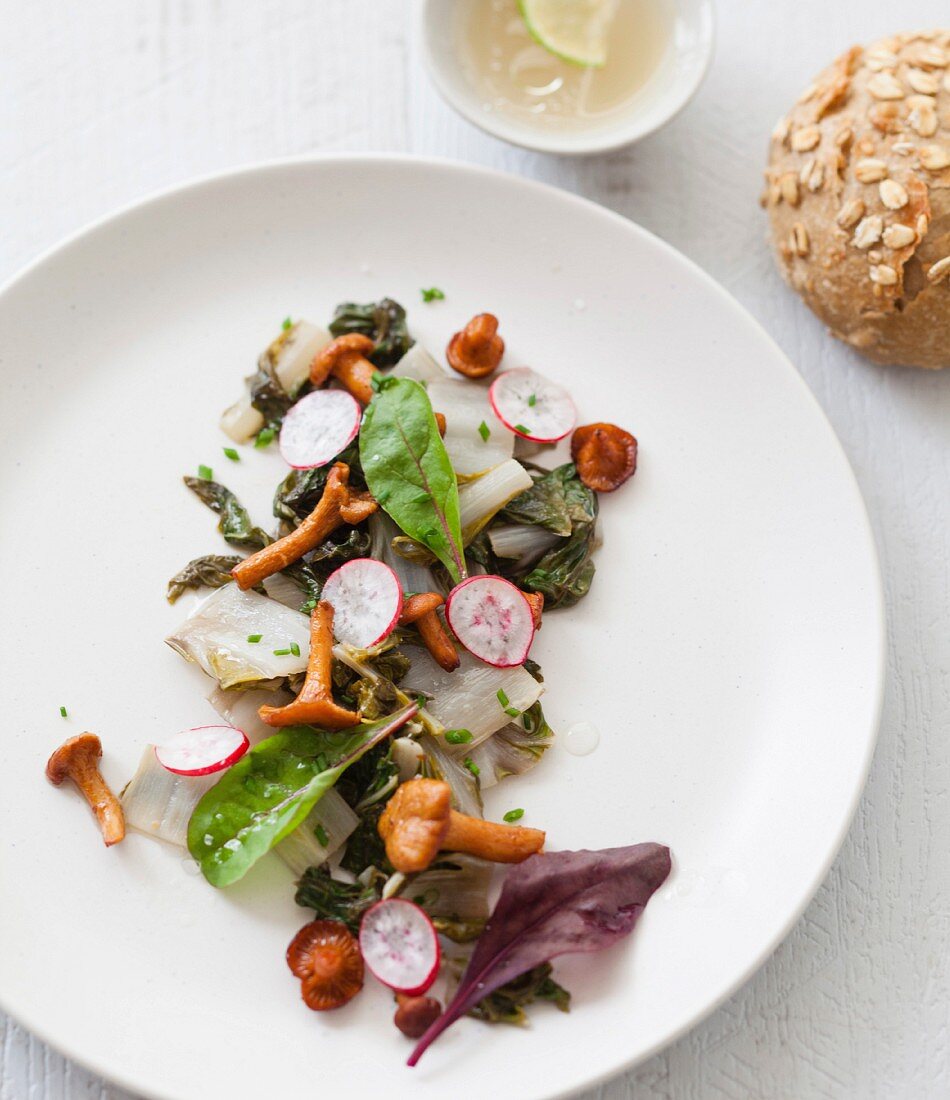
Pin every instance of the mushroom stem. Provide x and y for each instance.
(491, 840)
(314, 705)
(339, 504)
(78, 759)
(355, 375)
(420, 610)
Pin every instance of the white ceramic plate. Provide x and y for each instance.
(730, 651)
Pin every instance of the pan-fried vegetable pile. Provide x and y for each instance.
(371, 658)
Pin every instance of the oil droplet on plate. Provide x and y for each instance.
(582, 738)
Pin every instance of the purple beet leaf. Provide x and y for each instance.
(553, 904)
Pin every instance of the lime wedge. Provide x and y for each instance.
(575, 30)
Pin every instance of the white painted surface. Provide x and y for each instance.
(104, 101)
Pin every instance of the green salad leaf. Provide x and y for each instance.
(383, 321)
(271, 789)
(408, 470)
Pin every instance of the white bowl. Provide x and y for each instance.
(666, 92)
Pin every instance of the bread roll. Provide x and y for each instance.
(858, 194)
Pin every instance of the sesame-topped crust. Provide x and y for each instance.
(858, 194)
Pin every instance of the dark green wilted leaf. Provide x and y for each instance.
(235, 523)
(269, 397)
(300, 491)
(383, 321)
(365, 847)
(564, 575)
(558, 501)
(211, 571)
(366, 788)
(507, 1004)
(332, 900)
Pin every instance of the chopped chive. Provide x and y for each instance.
(484, 431)
(281, 652)
(502, 697)
(521, 428)
(469, 763)
(532, 401)
(265, 436)
(375, 381)
(230, 452)
(321, 834)
(307, 607)
(433, 294)
(512, 712)
(295, 649)
(205, 473)
(254, 638)
(514, 815)
(287, 324)
(62, 712)
(458, 737)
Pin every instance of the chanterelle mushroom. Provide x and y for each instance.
(421, 609)
(78, 759)
(419, 822)
(347, 359)
(314, 706)
(477, 349)
(339, 504)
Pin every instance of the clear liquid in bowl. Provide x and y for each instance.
(513, 75)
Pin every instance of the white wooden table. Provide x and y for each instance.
(104, 101)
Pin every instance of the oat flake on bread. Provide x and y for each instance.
(858, 195)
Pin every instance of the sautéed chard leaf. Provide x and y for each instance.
(235, 523)
(383, 321)
(210, 571)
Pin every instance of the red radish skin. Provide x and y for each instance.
(202, 750)
(367, 601)
(532, 406)
(400, 946)
(318, 427)
(493, 620)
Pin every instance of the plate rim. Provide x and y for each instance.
(875, 594)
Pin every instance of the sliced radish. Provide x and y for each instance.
(531, 406)
(318, 427)
(202, 750)
(367, 601)
(492, 619)
(400, 946)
